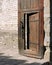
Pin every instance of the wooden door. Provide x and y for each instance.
(34, 32)
(30, 27)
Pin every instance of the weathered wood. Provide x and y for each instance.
(31, 40)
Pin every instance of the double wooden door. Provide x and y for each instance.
(30, 27)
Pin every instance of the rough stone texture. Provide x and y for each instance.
(47, 22)
(8, 16)
(9, 40)
(8, 23)
(47, 27)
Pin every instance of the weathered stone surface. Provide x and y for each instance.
(47, 28)
(8, 23)
(47, 22)
(9, 40)
(8, 17)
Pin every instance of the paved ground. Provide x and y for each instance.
(11, 57)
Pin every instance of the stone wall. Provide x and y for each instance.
(8, 23)
(47, 27)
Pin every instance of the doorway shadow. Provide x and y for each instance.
(47, 63)
(8, 60)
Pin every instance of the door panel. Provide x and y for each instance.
(29, 4)
(34, 32)
(34, 4)
(34, 28)
(30, 27)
